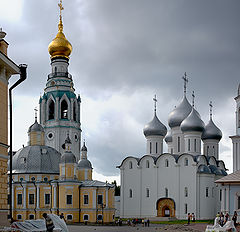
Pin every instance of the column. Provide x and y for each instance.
(227, 199)
(57, 116)
(107, 197)
(94, 198)
(223, 200)
(54, 196)
(13, 197)
(38, 196)
(234, 158)
(24, 196)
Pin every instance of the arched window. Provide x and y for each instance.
(147, 164)
(64, 109)
(85, 217)
(130, 193)
(147, 192)
(186, 192)
(150, 148)
(178, 144)
(188, 144)
(74, 112)
(166, 163)
(171, 150)
(166, 192)
(51, 109)
(156, 148)
(186, 162)
(130, 165)
(213, 150)
(195, 145)
(55, 69)
(207, 150)
(69, 217)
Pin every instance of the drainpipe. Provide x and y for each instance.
(23, 76)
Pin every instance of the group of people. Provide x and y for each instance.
(145, 222)
(191, 217)
(223, 219)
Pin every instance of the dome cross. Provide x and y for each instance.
(155, 103)
(193, 99)
(211, 106)
(185, 79)
(36, 110)
(60, 8)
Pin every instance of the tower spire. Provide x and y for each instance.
(155, 103)
(193, 99)
(211, 106)
(185, 79)
(36, 110)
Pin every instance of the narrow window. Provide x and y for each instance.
(195, 145)
(185, 209)
(186, 162)
(55, 69)
(74, 112)
(220, 194)
(207, 150)
(147, 192)
(178, 144)
(150, 148)
(85, 199)
(156, 148)
(188, 144)
(64, 109)
(130, 193)
(166, 192)
(166, 163)
(69, 199)
(207, 194)
(51, 110)
(47, 199)
(100, 199)
(186, 192)
(31, 199)
(31, 217)
(147, 164)
(130, 165)
(171, 150)
(85, 217)
(19, 199)
(213, 150)
(239, 118)
(69, 217)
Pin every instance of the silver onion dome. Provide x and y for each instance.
(193, 122)
(68, 157)
(179, 113)
(35, 127)
(211, 131)
(36, 159)
(168, 138)
(155, 127)
(84, 163)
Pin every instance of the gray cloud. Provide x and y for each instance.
(134, 49)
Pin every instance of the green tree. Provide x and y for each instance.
(117, 188)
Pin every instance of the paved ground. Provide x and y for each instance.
(174, 228)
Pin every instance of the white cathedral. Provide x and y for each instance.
(180, 181)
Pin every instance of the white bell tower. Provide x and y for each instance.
(236, 138)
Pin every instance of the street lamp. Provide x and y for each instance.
(23, 76)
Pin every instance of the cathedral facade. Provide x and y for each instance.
(180, 181)
(52, 174)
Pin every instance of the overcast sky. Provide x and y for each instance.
(124, 52)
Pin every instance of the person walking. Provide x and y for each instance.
(49, 223)
(188, 218)
(234, 218)
(193, 217)
(148, 222)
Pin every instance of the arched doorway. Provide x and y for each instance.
(165, 207)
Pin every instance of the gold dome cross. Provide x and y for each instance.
(61, 8)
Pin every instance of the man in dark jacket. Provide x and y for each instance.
(49, 222)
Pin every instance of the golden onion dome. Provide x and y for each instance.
(60, 46)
